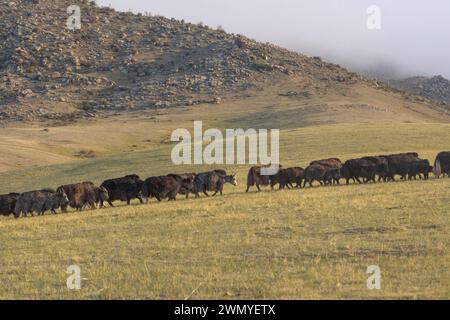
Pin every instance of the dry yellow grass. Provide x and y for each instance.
(298, 244)
(29, 145)
(302, 244)
(312, 243)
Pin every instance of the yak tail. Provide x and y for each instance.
(250, 177)
(17, 209)
(437, 169)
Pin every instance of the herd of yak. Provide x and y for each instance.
(86, 194)
(326, 172)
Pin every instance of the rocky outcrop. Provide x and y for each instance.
(435, 88)
(121, 61)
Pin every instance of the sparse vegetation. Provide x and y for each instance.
(309, 243)
(104, 107)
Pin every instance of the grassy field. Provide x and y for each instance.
(299, 244)
(314, 243)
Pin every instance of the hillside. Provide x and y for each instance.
(121, 62)
(436, 88)
(102, 102)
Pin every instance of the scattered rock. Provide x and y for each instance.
(435, 88)
(86, 154)
(120, 61)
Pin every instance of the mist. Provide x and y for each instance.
(413, 38)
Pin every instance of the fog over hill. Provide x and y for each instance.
(437, 88)
(411, 40)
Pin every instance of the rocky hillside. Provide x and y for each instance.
(436, 88)
(122, 61)
(119, 62)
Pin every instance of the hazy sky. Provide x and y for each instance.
(414, 36)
